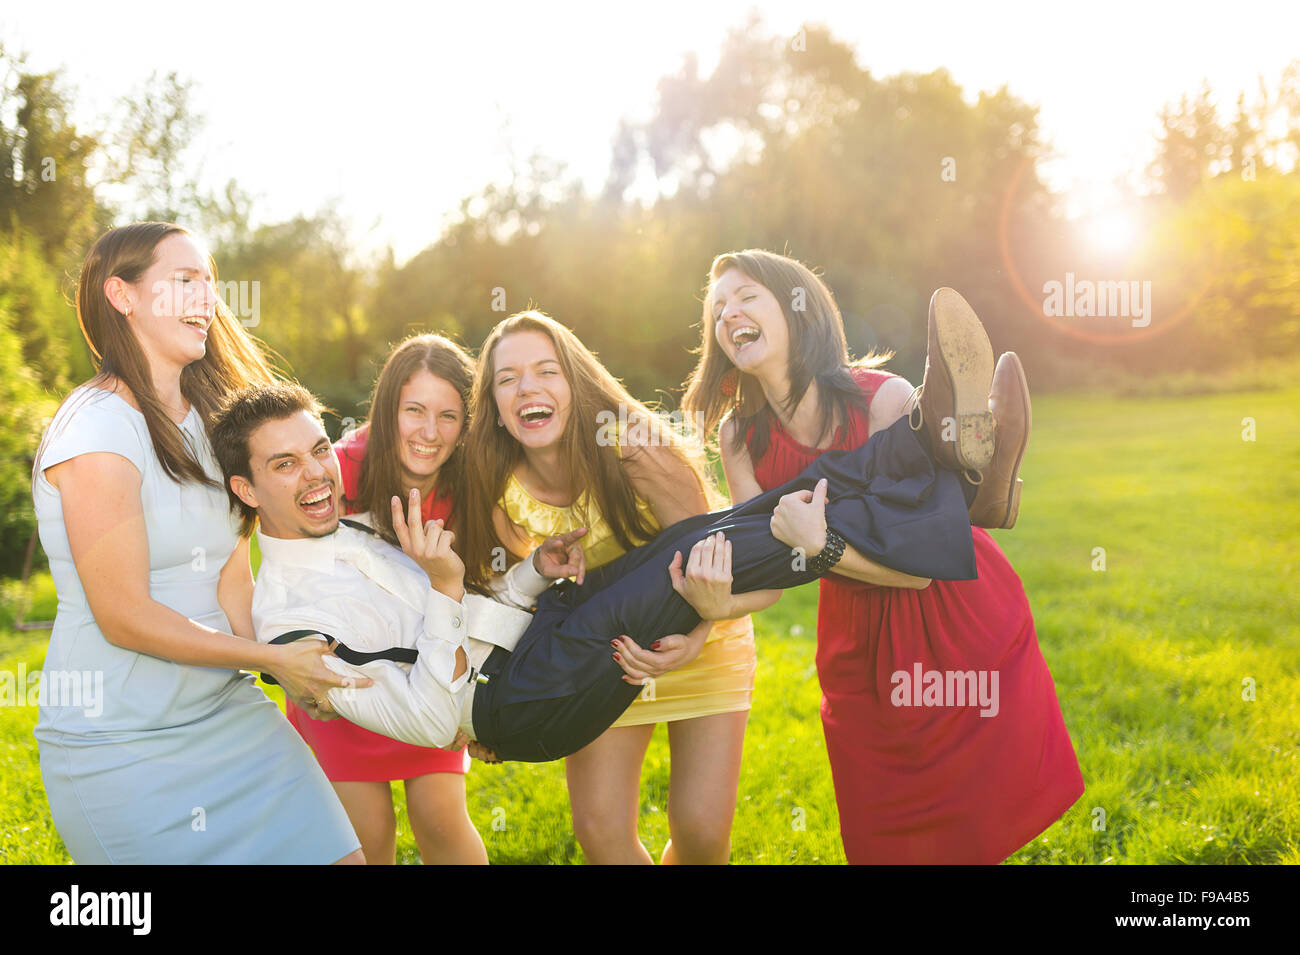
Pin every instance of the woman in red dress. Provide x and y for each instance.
(412, 441)
(914, 783)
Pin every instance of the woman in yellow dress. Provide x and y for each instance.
(556, 443)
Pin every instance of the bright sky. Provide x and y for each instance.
(399, 109)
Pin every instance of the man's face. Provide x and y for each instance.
(295, 485)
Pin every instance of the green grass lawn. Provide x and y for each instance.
(1154, 657)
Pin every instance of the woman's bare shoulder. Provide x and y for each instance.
(890, 402)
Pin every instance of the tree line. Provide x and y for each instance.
(890, 185)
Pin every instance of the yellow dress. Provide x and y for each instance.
(719, 680)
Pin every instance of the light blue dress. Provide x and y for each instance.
(149, 761)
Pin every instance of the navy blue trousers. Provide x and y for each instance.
(561, 688)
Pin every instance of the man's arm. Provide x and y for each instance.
(430, 546)
(415, 707)
(554, 559)
(421, 706)
(521, 585)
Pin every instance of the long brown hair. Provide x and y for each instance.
(492, 453)
(818, 353)
(381, 475)
(232, 358)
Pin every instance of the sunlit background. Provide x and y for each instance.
(395, 111)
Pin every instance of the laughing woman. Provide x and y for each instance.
(923, 785)
(548, 459)
(185, 760)
(417, 413)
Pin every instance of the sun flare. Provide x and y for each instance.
(1114, 231)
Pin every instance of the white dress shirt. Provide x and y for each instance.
(360, 590)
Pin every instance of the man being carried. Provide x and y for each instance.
(541, 686)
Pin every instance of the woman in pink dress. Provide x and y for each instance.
(412, 441)
(914, 783)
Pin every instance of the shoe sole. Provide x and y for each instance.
(1013, 508)
(1013, 505)
(967, 358)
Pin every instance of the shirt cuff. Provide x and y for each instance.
(521, 585)
(445, 629)
(526, 579)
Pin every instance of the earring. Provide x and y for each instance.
(500, 423)
(729, 382)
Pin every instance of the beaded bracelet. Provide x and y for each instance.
(830, 554)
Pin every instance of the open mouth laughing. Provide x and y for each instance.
(318, 503)
(535, 415)
(423, 452)
(199, 323)
(744, 336)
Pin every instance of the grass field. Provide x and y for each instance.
(1176, 665)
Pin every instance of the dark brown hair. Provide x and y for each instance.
(819, 353)
(492, 453)
(242, 414)
(381, 476)
(232, 359)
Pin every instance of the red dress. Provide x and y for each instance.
(346, 751)
(933, 784)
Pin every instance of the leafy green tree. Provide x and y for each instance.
(24, 411)
(44, 321)
(153, 146)
(1192, 143)
(45, 165)
(1228, 259)
(309, 296)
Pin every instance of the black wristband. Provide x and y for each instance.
(830, 554)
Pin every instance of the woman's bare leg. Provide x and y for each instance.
(605, 795)
(706, 754)
(435, 804)
(369, 806)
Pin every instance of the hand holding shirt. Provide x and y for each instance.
(356, 588)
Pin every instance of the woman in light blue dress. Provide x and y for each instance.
(154, 747)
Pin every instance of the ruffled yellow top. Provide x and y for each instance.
(540, 521)
(719, 680)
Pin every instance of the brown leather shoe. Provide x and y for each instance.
(997, 502)
(953, 406)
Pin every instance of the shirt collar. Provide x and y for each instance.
(309, 553)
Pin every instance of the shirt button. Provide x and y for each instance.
(455, 622)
